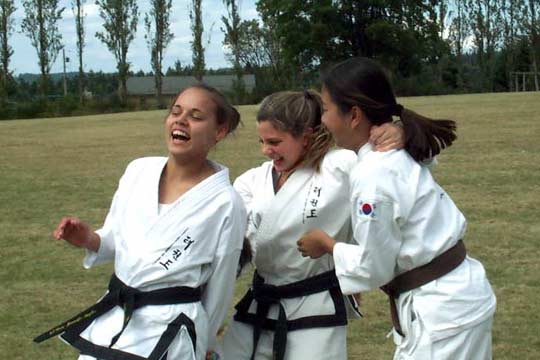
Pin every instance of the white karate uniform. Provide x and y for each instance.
(194, 242)
(306, 200)
(402, 219)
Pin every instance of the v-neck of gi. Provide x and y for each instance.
(155, 203)
(275, 179)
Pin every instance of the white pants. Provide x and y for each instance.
(473, 343)
(318, 343)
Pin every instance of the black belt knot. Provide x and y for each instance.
(125, 297)
(129, 299)
(267, 295)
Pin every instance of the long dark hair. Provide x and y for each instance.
(362, 82)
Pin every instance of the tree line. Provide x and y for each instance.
(429, 46)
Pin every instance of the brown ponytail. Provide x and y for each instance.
(425, 137)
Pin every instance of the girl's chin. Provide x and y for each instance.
(280, 166)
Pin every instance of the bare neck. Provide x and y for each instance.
(179, 176)
(361, 137)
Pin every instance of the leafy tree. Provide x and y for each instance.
(7, 8)
(403, 35)
(120, 24)
(485, 23)
(231, 31)
(158, 37)
(40, 25)
(532, 30)
(261, 52)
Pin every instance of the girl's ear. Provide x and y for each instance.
(222, 131)
(308, 133)
(357, 117)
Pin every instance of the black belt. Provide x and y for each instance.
(129, 299)
(267, 295)
(412, 279)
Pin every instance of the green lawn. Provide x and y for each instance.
(51, 168)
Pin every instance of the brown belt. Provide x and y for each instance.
(412, 279)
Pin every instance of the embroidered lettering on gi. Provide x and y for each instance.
(166, 264)
(188, 242)
(176, 254)
(312, 200)
(167, 259)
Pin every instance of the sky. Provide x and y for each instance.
(98, 57)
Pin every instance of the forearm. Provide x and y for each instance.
(328, 243)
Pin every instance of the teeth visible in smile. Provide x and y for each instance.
(180, 135)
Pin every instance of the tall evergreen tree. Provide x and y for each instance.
(197, 29)
(120, 24)
(40, 24)
(78, 11)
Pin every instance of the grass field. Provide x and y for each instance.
(70, 166)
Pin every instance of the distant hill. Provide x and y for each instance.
(29, 78)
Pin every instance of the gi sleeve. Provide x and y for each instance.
(219, 289)
(245, 186)
(106, 251)
(370, 261)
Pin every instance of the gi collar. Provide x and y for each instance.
(364, 150)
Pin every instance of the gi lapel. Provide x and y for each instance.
(272, 207)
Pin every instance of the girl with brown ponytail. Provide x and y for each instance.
(294, 309)
(408, 233)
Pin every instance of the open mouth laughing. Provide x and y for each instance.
(180, 135)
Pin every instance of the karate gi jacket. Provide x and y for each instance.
(196, 242)
(276, 221)
(402, 219)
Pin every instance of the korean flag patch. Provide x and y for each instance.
(367, 209)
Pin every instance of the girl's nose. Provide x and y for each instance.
(266, 150)
(181, 119)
